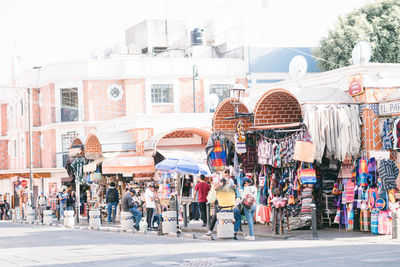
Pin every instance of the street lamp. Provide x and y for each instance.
(195, 75)
(236, 93)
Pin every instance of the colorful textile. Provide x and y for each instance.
(350, 218)
(374, 221)
(384, 223)
(350, 187)
(388, 173)
(387, 134)
(346, 171)
(365, 220)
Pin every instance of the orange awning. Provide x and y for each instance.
(128, 165)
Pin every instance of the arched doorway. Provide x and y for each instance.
(225, 110)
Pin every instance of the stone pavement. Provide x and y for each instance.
(37, 245)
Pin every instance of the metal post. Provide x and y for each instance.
(314, 221)
(78, 200)
(395, 234)
(114, 212)
(30, 148)
(194, 87)
(208, 214)
(185, 220)
(58, 209)
(177, 212)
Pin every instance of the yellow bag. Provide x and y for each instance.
(212, 195)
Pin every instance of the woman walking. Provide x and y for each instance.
(248, 196)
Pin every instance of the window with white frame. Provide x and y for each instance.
(162, 93)
(69, 104)
(221, 91)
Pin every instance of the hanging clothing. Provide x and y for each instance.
(388, 172)
(396, 133)
(387, 134)
(216, 150)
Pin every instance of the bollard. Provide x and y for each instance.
(177, 212)
(94, 219)
(225, 226)
(169, 224)
(208, 215)
(395, 234)
(185, 220)
(314, 221)
(126, 221)
(47, 217)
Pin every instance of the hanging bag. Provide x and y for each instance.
(307, 175)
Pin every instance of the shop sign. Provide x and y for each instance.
(389, 108)
(355, 85)
(379, 155)
(24, 183)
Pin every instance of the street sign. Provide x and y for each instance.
(355, 85)
(389, 108)
(24, 183)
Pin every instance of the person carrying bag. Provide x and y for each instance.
(248, 196)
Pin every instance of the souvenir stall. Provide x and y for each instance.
(293, 148)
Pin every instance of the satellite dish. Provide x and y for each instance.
(297, 67)
(212, 101)
(107, 51)
(97, 54)
(361, 52)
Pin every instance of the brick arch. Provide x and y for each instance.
(225, 110)
(76, 142)
(185, 132)
(370, 138)
(277, 106)
(92, 147)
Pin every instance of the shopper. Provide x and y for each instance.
(112, 199)
(127, 204)
(150, 205)
(226, 197)
(71, 199)
(7, 209)
(42, 204)
(62, 197)
(201, 191)
(249, 190)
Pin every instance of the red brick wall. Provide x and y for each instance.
(92, 147)
(95, 94)
(48, 151)
(3, 154)
(186, 95)
(371, 139)
(224, 110)
(277, 106)
(36, 155)
(4, 120)
(35, 107)
(47, 110)
(137, 88)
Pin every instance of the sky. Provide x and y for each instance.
(39, 32)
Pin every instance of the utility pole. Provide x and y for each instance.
(30, 147)
(195, 75)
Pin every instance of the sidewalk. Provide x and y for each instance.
(264, 230)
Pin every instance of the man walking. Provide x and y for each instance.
(42, 203)
(112, 199)
(128, 204)
(201, 191)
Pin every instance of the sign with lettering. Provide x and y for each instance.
(378, 154)
(389, 108)
(355, 85)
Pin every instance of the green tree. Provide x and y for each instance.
(377, 23)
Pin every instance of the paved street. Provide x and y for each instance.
(34, 245)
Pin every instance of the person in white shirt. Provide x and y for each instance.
(150, 205)
(42, 203)
(249, 189)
